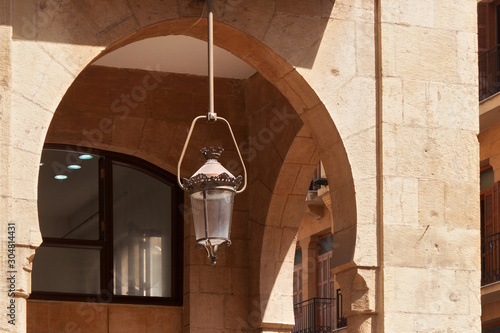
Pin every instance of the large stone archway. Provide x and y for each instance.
(273, 68)
(296, 159)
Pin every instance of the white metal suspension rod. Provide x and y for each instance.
(211, 116)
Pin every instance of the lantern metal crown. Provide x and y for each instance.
(212, 187)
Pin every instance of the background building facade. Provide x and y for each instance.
(488, 35)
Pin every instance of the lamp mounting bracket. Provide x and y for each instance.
(211, 117)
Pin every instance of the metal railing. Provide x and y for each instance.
(315, 315)
(318, 179)
(489, 72)
(341, 319)
(490, 259)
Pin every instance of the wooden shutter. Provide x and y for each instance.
(324, 284)
(325, 311)
(490, 247)
(482, 26)
(490, 206)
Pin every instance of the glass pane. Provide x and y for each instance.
(487, 179)
(220, 209)
(68, 207)
(217, 207)
(298, 257)
(198, 207)
(66, 270)
(141, 234)
(325, 245)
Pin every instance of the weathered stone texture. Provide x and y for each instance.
(430, 163)
(48, 317)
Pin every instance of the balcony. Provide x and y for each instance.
(489, 73)
(317, 315)
(490, 259)
(318, 179)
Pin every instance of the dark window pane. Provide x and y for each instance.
(66, 270)
(141, 233)
(68, 207)
(325, 245)
(487, 179)
(298, 257)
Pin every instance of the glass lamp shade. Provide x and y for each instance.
(212, 212)
(212, 189)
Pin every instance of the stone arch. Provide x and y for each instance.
(276, 70)
(282, 75)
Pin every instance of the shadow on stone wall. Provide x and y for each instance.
(293, 29)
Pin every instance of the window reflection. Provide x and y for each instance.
(68, 207)
(66, 270)
(106, 223)
(141, 228)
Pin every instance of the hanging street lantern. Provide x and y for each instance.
(212, 187)
(211, 190)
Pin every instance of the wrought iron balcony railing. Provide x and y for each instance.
(315, 315)
(318, 179)
(341, 319)
(490, 259)
(489, 72)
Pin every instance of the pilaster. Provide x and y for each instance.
(428, 166)
(15, 321)
(309, 267)
(358, 285)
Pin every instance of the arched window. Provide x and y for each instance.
(111, 228)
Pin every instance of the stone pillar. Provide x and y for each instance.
(217, 297)
(358, 285)
(309, 267)
(428, 166)
(12, 278)
(276, 289)
(16, 211)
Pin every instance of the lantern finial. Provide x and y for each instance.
(212, 153)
